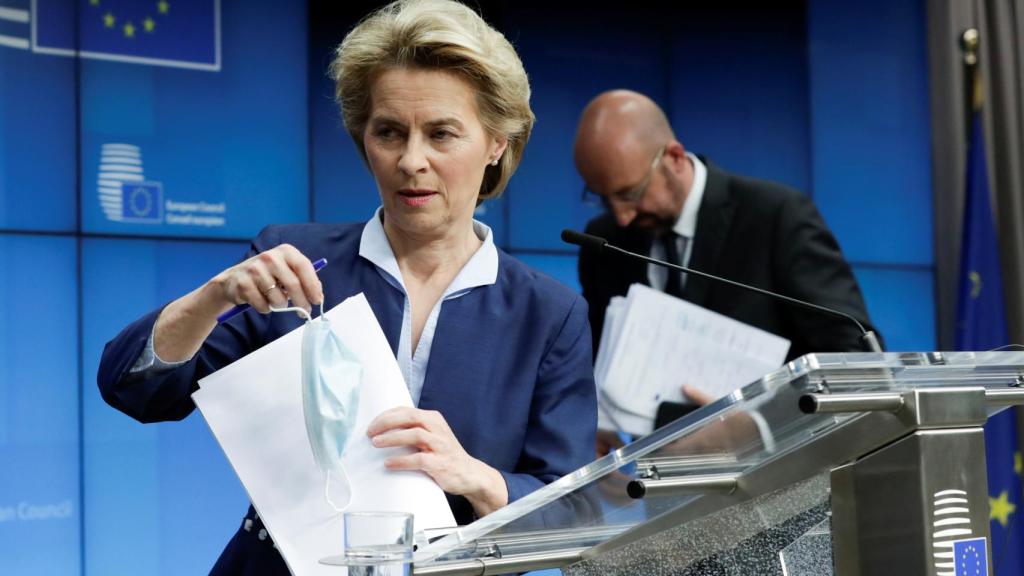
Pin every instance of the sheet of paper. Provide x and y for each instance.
(663, 342)
(612, 324)
(254, 408)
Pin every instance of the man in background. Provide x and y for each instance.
(670, 204)
(663, 201)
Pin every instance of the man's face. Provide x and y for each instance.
(639, 190)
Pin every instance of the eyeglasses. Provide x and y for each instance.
(630, 196)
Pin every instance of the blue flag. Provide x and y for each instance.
(142, 202)
(970, 557)
(981, 325)
(180, 33)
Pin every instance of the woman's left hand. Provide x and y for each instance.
(439, 454)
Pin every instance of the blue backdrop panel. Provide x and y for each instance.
(901, 302)
(343, 190)
(185, 152)
(162, 498)
(739, 89)
(558, 266)
(870, 127)
(343, 187)
(40, 511)
(568, 65)
(37, 127)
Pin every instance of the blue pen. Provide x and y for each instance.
(243, 307)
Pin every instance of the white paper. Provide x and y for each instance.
(613, 316)
(660, 342)
(254, 408)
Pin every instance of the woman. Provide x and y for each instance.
(496, 356)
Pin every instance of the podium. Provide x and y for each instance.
(835, 464)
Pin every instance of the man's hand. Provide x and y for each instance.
(607, 440)
(697, 396)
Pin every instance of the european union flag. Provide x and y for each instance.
(981, 325)
(142, 202)
(180, 33)
(971, 557)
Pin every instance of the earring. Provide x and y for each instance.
(494, 162)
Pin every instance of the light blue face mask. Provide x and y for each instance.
(331, 381)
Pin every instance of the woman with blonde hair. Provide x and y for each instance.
(497, 356)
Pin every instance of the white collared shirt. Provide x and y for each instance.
(480, 270)
(685, 227)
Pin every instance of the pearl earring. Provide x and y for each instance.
(494, 162)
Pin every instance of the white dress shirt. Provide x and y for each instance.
(480, 270)
(685, 227)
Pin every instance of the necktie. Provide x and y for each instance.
(674, 285)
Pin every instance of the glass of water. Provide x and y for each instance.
(378, 543)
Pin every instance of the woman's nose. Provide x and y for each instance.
(414, 158)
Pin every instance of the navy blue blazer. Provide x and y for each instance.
(510, 368)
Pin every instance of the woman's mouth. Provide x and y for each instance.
(414, 197)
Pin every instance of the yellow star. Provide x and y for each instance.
(109, 20)
(163, 6)
(975, 279)
(94, 2)
(1018, 464)
(129, 30)
(148, 24)
(1001, 508)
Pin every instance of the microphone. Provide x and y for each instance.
(591, 242)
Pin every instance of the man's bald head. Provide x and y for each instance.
(619, 124)
(627, 153)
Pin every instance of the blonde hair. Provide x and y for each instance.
(442, 35)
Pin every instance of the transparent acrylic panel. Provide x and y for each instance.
(743, 539)
(752, 433)
(810, 554)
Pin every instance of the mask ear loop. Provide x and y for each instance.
(300, 311)
(327, 492)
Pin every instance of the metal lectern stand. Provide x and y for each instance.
(844, 464)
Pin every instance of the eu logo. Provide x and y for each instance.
(142, 202)
(971, 557)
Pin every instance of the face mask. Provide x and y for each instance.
(331, 379)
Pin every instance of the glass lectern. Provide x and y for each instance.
(844, 464)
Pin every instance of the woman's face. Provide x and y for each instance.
(427, 150)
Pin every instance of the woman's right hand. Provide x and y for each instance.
(268, 279)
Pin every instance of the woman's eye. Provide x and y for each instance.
(442, 135)
(385, 133)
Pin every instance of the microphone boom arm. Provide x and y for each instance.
(589, 241)
(738, 285)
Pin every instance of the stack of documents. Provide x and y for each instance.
(254, 408)
(653, 343)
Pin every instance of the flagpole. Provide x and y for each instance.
(969, 43)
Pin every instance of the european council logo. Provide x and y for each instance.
(177, 33)
(123, 191)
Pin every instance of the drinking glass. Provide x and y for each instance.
(378, 543)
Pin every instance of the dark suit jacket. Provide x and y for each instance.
(751, 231)
(510, 369)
